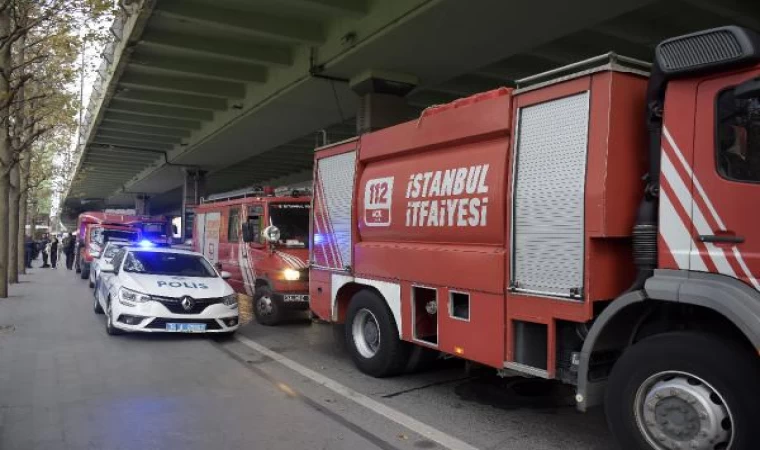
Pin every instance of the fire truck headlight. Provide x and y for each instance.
(291, 275)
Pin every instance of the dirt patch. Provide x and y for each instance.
(245, 307)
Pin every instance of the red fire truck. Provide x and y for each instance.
(94, 229)
(261, 238)
(596, 225)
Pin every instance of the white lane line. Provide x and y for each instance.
(389, 413)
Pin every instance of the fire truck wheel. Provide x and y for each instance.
(684, 390)
(265, 308)
(372, 337)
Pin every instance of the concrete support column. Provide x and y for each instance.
(382, 103)
(142, 205)
(193, 189)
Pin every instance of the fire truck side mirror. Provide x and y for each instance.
(748, 89)
(271, 234)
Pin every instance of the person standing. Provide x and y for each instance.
(53, 252)
(69, 250)
(45, 251)
(28, 251)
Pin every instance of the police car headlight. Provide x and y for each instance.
(230, 300)
(291, 275)
(128, 295)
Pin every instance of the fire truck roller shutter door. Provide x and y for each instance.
(332, 210)
(549, 189)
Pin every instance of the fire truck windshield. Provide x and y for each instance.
(101, 235)
(293, 221)
(154, 231)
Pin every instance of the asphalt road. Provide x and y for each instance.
(65, 384)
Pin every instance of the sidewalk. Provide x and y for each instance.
(65, 384)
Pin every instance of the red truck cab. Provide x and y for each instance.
(263, 242)
(94, 230)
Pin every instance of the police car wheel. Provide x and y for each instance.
(684, 390)
(265, 308)
(96, 305)
(110, 329)
(372, 336)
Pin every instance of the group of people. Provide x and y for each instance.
(51, 248)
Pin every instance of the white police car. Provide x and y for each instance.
(104, 260)
(151, 289)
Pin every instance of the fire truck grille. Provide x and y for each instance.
(699, 50)
(175, 304)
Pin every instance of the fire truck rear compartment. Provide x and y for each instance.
(561, 171)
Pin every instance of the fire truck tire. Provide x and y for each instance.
(265, 308)
(372, 337)
(684, 390)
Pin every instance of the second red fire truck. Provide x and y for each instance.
(596, 225)
(261, 238)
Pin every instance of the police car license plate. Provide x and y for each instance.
(186, 327)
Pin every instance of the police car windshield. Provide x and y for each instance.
(165, 263)
(292, 219)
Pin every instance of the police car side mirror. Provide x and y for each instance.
(225, 275)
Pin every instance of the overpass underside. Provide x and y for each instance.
(243, 90)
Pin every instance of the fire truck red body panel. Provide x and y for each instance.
(464, 245)
(88, 221)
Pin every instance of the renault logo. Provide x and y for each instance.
(187, 303)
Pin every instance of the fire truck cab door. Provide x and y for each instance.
(726, 179)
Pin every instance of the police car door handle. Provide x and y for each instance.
(721, 238)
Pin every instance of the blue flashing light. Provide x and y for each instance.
(146, 244)
(318, 238)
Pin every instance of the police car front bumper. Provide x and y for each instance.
(155, 317)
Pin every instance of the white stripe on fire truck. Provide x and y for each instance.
(675, 234)
(243, 264)
(322, 226)
(293, 261)
(703, 195)
(694, 213)
(327, 224)
(320, 246)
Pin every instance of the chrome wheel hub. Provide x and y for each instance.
(264, 305)
(676, 410)
(365, 331)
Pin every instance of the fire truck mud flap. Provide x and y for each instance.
(729, 297)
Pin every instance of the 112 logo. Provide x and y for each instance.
(378, 194)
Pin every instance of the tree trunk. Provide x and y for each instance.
(19, 179)
(6, 158)
(13, 225)
(22, 212)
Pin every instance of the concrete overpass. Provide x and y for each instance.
(242, 90)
